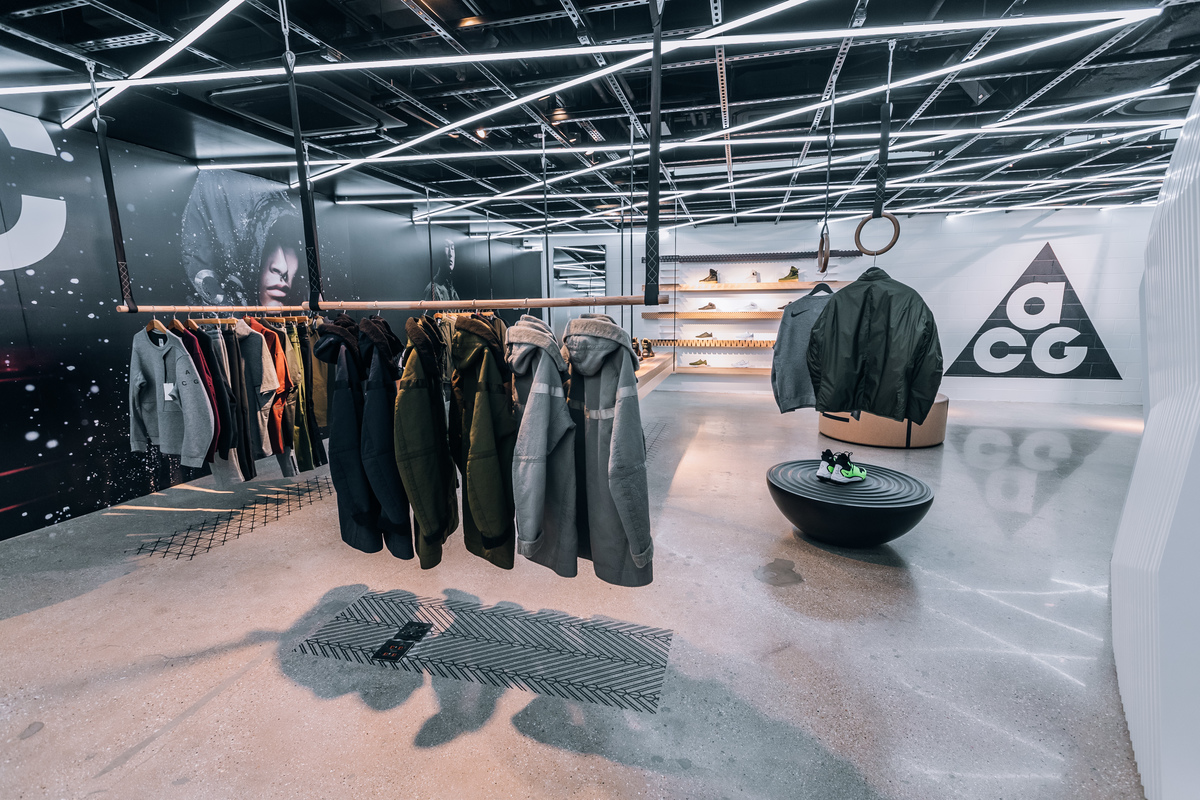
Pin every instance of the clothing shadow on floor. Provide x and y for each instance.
(704, 733)
(463, 706)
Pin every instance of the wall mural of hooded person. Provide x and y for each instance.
(442, 285)
(242, 241)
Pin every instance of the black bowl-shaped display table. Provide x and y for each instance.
(885, 506)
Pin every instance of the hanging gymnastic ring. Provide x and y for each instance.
(823, 252)
(895, 235)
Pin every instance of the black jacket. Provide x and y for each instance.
(358, 508)
(875, 348)
(380, 350)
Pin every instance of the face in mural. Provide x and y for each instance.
(442, 285)
(277, 272)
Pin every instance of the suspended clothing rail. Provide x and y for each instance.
(140, 309)
(487, 305)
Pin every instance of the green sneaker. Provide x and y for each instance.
(699, 363)
(705, 335)
(844, 471)
(793, 275)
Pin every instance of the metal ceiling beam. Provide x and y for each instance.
(584, 34)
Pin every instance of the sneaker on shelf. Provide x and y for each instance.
(647, 350)
(750, 307)
(782, 307)
(709, 307)
(793, 275)
(712, 277)
(746, 336)
(698, 363)
(705, 335)
(637, 348)
(846, 471)
(742, 364)
(825, 468)
(757, 277)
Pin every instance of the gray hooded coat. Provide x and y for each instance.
(612, 499)
(544, 458)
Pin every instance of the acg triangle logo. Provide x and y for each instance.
(1039, 330)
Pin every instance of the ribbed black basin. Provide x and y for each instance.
(887, 505)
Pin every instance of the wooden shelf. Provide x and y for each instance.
(767, 286)
(653, 371)
(722, 371)
(712, 314)
(728, 344)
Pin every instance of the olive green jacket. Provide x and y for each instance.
(422, 448)
(483, 434)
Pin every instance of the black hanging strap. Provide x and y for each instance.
(885, 136)
(651, 297)
(114, 214)
(312, 250)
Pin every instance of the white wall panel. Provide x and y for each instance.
(962, 265)
(1155, 591)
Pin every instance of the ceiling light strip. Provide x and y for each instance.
(177, 47)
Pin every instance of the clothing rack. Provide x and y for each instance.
(407, 305)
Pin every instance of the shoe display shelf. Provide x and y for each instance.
(680, 275)
(689, 370)
(712, 315)
(715, 344)
(766, 286)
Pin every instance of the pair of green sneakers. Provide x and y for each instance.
(837, 468)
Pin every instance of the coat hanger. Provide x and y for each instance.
(191, 323)
(821, 287)
(154, 325)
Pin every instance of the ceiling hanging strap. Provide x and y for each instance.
(114, 215)
(885, 136)
(823, 245)
(312, 251)
(656, 9)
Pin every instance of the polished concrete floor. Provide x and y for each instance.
(969, 659)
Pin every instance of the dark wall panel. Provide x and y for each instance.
(191, 236)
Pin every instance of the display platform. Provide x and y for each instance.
(883, 432)
(887, 505)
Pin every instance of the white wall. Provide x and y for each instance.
(963, 266)
(1155, 590)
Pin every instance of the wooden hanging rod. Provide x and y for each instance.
(408, 305)
(210, 309)
(488, 305)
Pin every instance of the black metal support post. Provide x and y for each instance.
(655, 141)
(312, 250)
(110, 192)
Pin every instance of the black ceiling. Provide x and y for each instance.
(361, 113)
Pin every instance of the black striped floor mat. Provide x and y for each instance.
(598, 661)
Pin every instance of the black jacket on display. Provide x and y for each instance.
(226, 408)
(310, 412)
(241, 402)
(358, 508)
(875, 348)
(380, 351)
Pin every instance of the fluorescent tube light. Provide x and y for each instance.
(178, 46)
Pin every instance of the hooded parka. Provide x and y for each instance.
(380, 350)
(544, 454)
(612, 499)
(358, 509)
(875, 348)
(483, 432)
(422, 447)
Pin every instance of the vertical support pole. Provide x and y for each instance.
(114, 214)
(312, 250)
(656, 7)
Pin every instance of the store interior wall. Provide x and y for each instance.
(191, 236)
(964, 267)
(1155, 594)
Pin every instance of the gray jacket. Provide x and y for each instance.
(544, 457)
(790, 378)
(261, 383)
(168, 405)
(612, 499)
